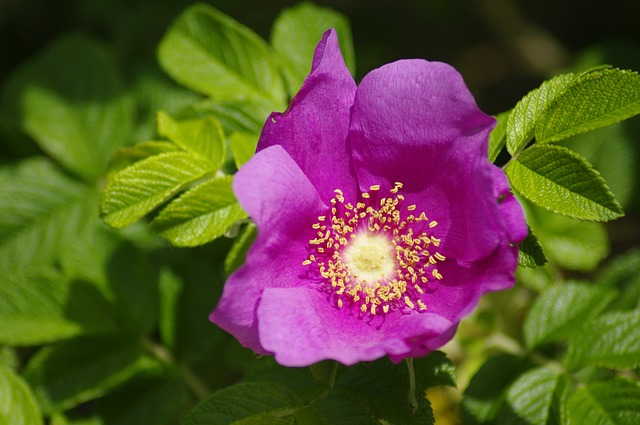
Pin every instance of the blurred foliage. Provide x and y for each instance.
(104, 326)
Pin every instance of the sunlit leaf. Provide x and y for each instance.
(213, 54)
(594, 99)
(529, 398)
(41, 307)
(138, 189)
(202, 137)
(615, 402)
(17, 403)
(561, 181)
(298, 30)
(563, 310)
(498, 136)
(199, 215)
(243, 146)
(612, 340)
(525, 115)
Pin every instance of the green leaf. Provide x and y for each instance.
(529, 398)
(213, 54)
(75, 371)
(126, 156)
(613, 340)
(485, 395)
(241, 115)
(200, 215)
(530, 252)
(132, 288)
(170, 286)
(594, 99)
(571, 244)
(561, 181)
(150, 400)
(385, 387)
(36, 203)
(339, 407)
(9, 358)
(238, 252)
(325, 372)
(563, 310)
(615, 402)
(498, 136)
(243, 146)
(202, 137)
(298, 30)
(17, 404)
(243, 401)
(42, 307)
(70, 99)
(136, 190)
(527, 112)
(623, 273)
(612, 151)
(155, 91)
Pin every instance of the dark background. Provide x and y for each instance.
(502, 47)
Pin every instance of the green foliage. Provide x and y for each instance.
(104, 326)
(242, 145)
(42, 307)
(212, 54)
(296, 33)
(549, 319)
(498, 136)
(200, 215)
(530, 252)
(138, 189)
(362, 394)
(616, 402)
(571, 244)
(569, 322)
(613, 341)
(236, 256)
(36, 204)
(203, 138)
(526, 114)
(71, 372)
(529, 398)
(79, 118)
(485, 395)
(561, 181)
(594, 99)
(17, 404)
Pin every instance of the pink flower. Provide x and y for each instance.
(380, 220)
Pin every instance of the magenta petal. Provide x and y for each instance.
(275, 259)
(314, 128)
(464, 283)
(300, 327)
(417, 123)
(510, 209)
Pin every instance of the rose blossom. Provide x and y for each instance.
(380, 220)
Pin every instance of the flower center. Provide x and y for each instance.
(370, 257)
(377, 255)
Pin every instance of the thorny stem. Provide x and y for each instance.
(195, 385)
(413, 400)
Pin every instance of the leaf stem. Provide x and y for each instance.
(413, 400)
(193, 383)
